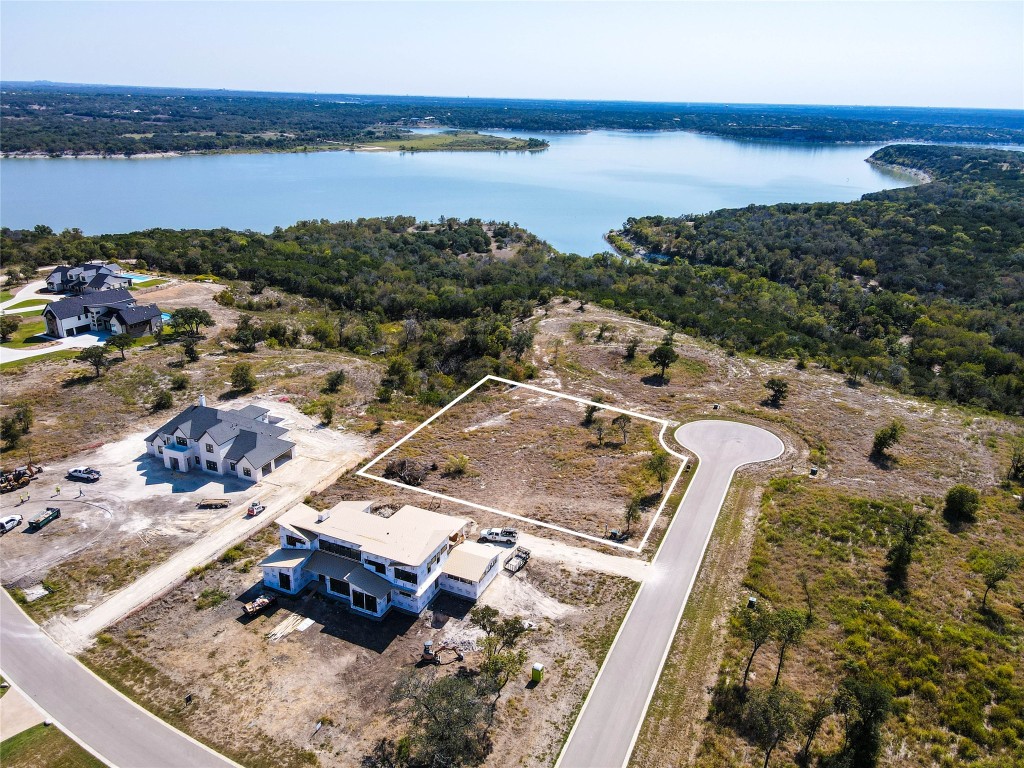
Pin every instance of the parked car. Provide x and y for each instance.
(9, 523)
(500, 535)
(37, 522)
(85, 474)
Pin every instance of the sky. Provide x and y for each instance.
(939, 54)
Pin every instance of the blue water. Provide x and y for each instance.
(166, 316)
(570, 194)
(135, 276)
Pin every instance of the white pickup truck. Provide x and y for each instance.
(500, 535)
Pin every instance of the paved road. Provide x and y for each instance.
(116, 730)
(610, 720)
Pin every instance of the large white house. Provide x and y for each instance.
(245, 443)
(114, 310)
(88, 277)
(375, 563)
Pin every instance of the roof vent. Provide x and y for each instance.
(202, 400)
(321, 516)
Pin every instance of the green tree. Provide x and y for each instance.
(335, 380)
(778, 390)
(886, 438)
(190, 320)
(962, 504)
(598, 426)
(632, 514)
(788, 630)
(631, 349)
(770, 716)
(501, 657)
(660, 465)
(521, 341)
(23, 416)
(10, 431)
(1016, 469)
(866, 702)
(94, 356)
(446, 718)
(327, 414)
(756, 626)
(663, 357)
(8, 325)
(121, 342)
(821, 709)
(897, 560)
(242, 378)
(190, 349)
(994, 568)
(622, 421)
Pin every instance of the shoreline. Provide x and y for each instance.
(915, 173)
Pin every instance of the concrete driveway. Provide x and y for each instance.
(609, 723)
(81, 341)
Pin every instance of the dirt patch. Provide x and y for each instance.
(542, 457)
(180, 294)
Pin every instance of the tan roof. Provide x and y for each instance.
(469, 560)
(408, 536)
(286, 558)
(343, 569)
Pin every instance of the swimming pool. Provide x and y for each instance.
(136, 277)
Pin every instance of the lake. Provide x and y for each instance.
(570, 194)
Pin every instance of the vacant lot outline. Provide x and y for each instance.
(663, 423)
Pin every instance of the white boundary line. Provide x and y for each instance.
(665, 424)
(679, 617)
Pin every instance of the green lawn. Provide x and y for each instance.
(6, 295)
(151, 283)
(44, 747)
(27, 335)
(29, 303)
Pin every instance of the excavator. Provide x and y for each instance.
(431, 656)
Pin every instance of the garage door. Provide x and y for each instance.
(80, 329)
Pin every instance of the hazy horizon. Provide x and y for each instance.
(943, 55)
(448, 96)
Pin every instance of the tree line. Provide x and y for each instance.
(114, 121)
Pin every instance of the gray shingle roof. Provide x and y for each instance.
(138, 314)
(75, 305)
(254, 441)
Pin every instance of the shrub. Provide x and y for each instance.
(180, 382)
(242, 378)
(210, 597)
(334, 381)
(163, 400)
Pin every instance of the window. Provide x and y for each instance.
(160, 449)
(292, 541)
(246, 471)
(232, 465)
(182, 441)
(338, 586)
(378, 567)
(339, 549)
(405, 594)
(211, 465)
(364, 601)
(407, 576)
(209, 447)
(285, 580)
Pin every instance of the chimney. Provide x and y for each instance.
(202, 400)
(321, 516)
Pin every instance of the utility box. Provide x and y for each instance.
(538, 673)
